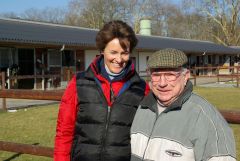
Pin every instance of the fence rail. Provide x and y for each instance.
(232, 116)
(35, 76)
(32, 94)
(46, 78)
(26, 149)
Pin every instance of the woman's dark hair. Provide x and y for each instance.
(116, 29)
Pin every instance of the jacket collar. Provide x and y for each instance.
(124, 73)
(150, 101)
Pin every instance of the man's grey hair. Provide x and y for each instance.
(184, 70)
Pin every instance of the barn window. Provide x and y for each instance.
(4, 57)
(54, 58)
(209, 59)
(68, 58)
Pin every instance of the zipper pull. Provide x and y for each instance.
(112, 96)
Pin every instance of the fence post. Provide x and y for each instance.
(4, 106)
(238, 75)
(195, 80)
(194, 76)
(218, 74)
(68, 74)
(8, 81)
(42, 81)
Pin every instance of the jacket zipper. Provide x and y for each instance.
(112, 97)
(157, 117)
(107, 123)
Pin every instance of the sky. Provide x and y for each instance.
(19, 6)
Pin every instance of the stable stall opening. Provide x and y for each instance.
(26, 67)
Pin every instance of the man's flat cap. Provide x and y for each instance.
(167, 58)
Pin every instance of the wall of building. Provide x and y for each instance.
(135, 58)
(143, 56)
(42, 65)
(90, 55)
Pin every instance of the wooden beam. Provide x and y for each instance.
(3, 77)
(231, 116)
(32, 94)
(26, 149)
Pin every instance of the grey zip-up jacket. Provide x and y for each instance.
(191, 129)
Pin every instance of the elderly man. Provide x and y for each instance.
(174, 124)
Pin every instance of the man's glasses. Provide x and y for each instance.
(169, 76)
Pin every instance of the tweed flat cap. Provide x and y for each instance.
(167, 58)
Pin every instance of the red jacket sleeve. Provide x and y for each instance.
(66, 123)
(147, 88)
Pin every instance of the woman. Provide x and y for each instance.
(98, 106)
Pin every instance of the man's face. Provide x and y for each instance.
(168, 84)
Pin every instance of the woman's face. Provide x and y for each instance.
(115, 57)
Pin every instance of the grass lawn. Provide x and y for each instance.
(31, 126)
(222, 98)
(37, 125)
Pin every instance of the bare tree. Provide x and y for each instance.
(10, 15)
(188, 25)
(93, 13)
(53, 15)
(135, 10)
(223, 16)
(165, 18)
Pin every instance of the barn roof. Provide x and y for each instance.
(22, 31)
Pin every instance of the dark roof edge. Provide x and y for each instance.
(45, 23)
(174, 38)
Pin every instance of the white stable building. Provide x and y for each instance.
(37, 48)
